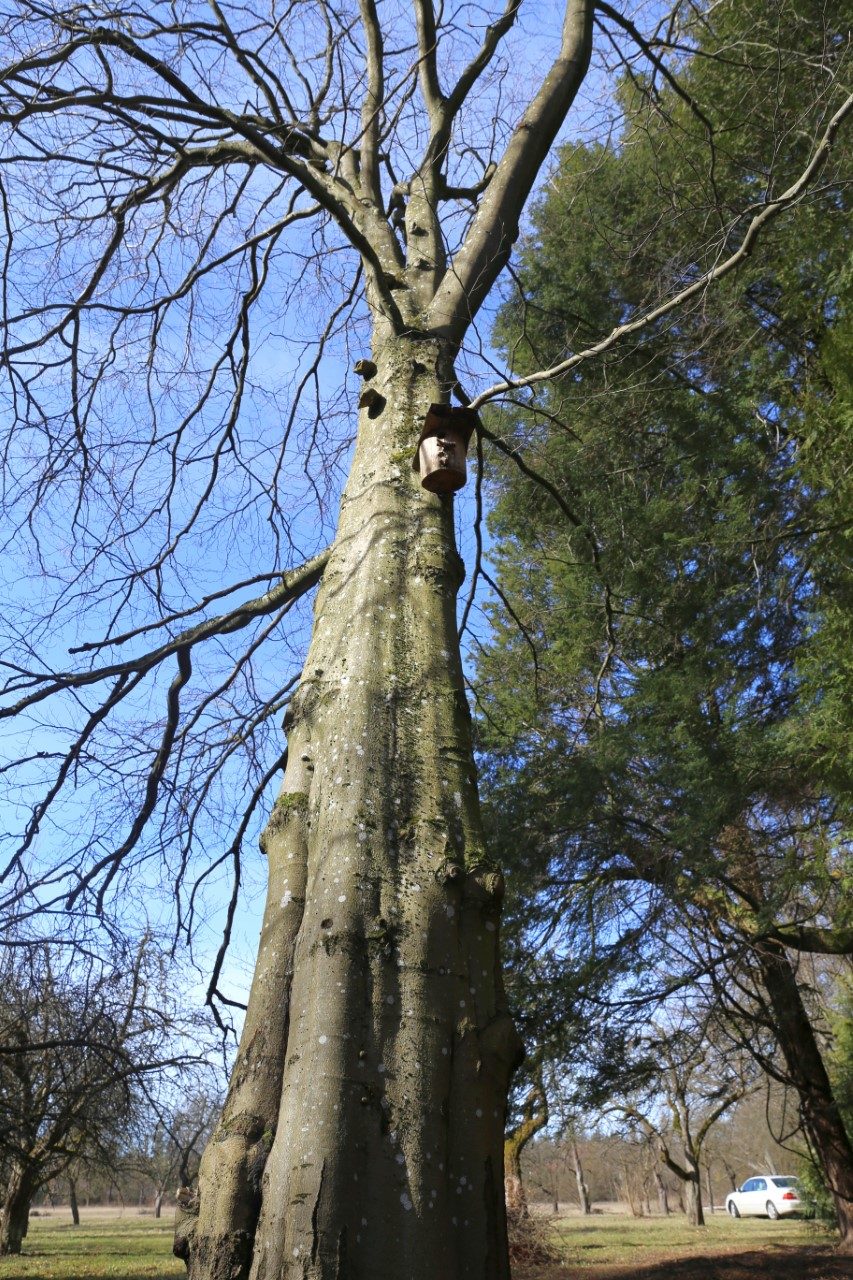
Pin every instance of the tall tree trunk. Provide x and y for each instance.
(693, 1199)
(709, 1186)
(821, 1116)
(15, 1213)
(534, 1117)
(72, 1199)
(663, 1194)
(158, 1204)
(583, 1189)
(370, 1086)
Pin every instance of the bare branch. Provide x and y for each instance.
(294, 585)
(767, 211)
(372, 105)
(427, 63)
(489, 242)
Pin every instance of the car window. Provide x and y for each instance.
(760, 1185)
(749, 1185)
(785, 1182)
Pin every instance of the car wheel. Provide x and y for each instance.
(772, 1211)
(733, 1209)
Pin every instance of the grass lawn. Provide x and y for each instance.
(615, 1246)
(617, 1238)
(602, 1247)
(129, 1246)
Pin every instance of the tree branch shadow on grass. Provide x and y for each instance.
(784, 1263)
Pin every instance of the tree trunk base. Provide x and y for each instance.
(14, 1222)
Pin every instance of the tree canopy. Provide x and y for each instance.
(661, 703)
(84, 1043)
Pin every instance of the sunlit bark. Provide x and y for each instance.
(376, 1104)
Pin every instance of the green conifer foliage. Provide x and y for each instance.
(665, 703)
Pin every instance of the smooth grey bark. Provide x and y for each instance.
(370, 1090)
(215, 1227)
(362, 1135)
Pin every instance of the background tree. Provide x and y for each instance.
(838, 1054)
(691, 1089)
(77, 1039)
(175, 185)
(174, 1131)
(524, 1121)
(554, 1167)
(760, 1134)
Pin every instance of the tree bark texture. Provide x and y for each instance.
(821, 1117)
(693, 1199)
(362, 1135)
(516, 1199)
(534, 1118)
(583, 1189)
(15, 1213)
(72, 1201)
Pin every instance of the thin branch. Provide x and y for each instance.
(293, 585)
(114, 859)
(767, 211)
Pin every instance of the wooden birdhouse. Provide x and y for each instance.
(443, 447)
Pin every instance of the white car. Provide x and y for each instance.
(770, 1196)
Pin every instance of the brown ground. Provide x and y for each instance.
(809, 1262)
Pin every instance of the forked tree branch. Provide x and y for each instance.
(487, 247)
(292, 150)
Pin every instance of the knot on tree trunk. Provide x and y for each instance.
(186, 1216)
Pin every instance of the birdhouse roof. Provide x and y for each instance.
(441, 416)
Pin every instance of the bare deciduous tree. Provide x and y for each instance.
(174, 1132)
(696, 1083)
(185, 187)
(78, 1037)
